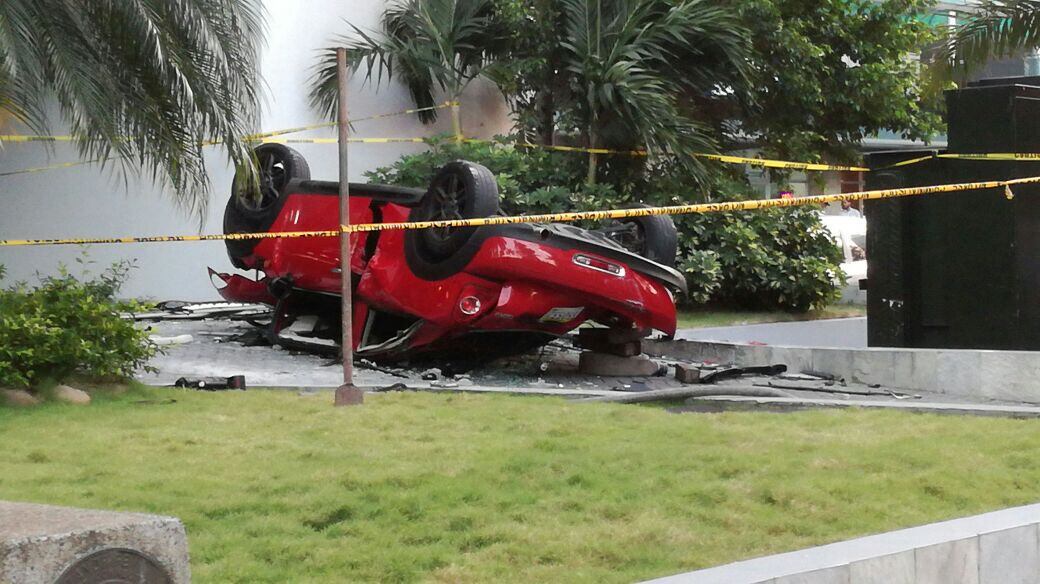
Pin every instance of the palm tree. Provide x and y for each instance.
(999, 29)
(143, 81)
(431, 45)
(632, 60)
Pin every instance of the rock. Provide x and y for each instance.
(71, 395)
(687, 373)
(18, 398)
(47, 544)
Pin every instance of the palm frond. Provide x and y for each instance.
(429, 45)
(998, 29)
(144, 81)
(631, 56)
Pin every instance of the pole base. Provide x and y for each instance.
(349, 395)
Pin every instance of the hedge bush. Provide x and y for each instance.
(781, 259)
(66, 325)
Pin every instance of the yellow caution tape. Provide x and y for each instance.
(53, 166)
(166, 238)
(695, 208)
(768, 163)
(20, 138)
(1023, 156)
(262, 135)
(558, 217)
(909, 162)
(251, 137)
(765, 162)
(336, 141)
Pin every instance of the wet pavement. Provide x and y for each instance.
(206, 348)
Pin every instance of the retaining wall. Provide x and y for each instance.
(993, 548)
(999, 375)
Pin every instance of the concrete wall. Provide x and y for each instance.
(997, 375)
(1002, 547)
(88, 202)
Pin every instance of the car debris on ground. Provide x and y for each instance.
(224, 344)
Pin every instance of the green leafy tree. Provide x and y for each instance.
(146, 80)
(429, 45)
(828, 73)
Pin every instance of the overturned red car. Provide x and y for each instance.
(459, 293)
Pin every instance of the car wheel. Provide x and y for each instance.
(249, 212)
(654, 237)
(459, 190)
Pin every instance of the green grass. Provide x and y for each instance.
(711, 317)
(275, 487)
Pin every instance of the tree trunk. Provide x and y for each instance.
(590, 179)
(456, 121)
(547, 117)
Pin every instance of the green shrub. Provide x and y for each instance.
(778, 259)
(66, 326)
(773, 259)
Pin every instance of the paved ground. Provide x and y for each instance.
(211, 352)
(838, 332)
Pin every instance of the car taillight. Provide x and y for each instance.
(469, 305)
(599, 264)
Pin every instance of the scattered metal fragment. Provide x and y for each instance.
(685, 393)
(843, 390)
(178, 310)
(733, 372)
(366, 364)
(212, 383)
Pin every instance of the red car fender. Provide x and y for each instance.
(388, 283)
(646, 302)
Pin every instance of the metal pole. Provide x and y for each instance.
(346, 394)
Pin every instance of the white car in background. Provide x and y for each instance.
(850, 233)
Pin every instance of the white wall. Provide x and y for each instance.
(88, 202)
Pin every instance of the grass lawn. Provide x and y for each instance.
(710, 317)
(275, 487)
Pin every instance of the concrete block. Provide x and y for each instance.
(721, 353)
(870, 366)
(753, 355)
(45, 544)
(797, 359)
(687, 373)
(924, 365)
(837, 362)
(836, 575)
(952, 562)
(1009, 375)
(957, 372)
(902, 372)
(1010, 556)
(890, 569)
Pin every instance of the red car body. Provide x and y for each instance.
(516, 287)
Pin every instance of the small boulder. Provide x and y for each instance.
(18, 398)
(71, 395)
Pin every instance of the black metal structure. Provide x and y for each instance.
(960, 270)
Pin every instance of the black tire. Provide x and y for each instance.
(459, 190)
(278, 165)
(654, 237)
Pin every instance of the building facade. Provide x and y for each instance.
(86, 201)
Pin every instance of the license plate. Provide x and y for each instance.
(561, 315)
